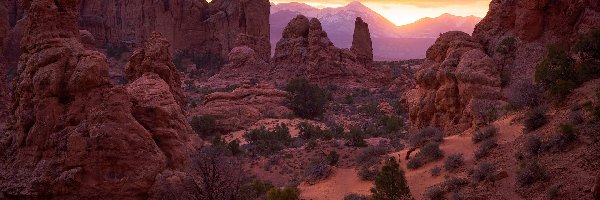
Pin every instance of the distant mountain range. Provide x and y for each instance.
(390, 42)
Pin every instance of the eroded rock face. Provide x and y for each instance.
(456, 86)
(244, 64)
(305, 51)
(156, 58)
(245, 106)
(198, 27)
(362, 45)
(75, 134)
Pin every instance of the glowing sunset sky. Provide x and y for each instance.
(403, 12)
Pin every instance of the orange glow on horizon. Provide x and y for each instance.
(401, 12)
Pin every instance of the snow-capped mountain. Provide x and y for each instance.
(390, 42)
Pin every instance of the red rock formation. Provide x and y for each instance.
(305, 51)
(457, 85)
(156, 58)
(239, 109)
(596, 188)
(193, 26)
(77, 136)
(243, 65)
(362, 45)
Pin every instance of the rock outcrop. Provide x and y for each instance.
(196, 27)
(305, 51)
(362, 45)
(244, 64)
(241, 108)
(458, 85)
(78, 136)
(156, 58)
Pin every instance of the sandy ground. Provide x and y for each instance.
(342, 182)
(346, 181)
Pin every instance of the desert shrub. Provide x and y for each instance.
(484, 134)
(305, 99)
(311, 145)
(507, 45)
(317, 170)
(455, 183)
(356, 138)
(415, 163)
(255, 189)
(367, 173)
(392, 123)
(266, 142)
(234, 147)
(587, 48)
(529, 172)
(435, 171)
(534, 119)
(369, 109)
(390, 183)
(434, 193)
(484, 172)
(453, 162)
(287, 193)
(213, 166)
(309, 131)
(332, 158)
(349, 99)
(553, 191)
(371, 155)
(485, 148)
(396, 143)
(204, 126)
(559, 142)
(430, 152)
(557, 72)
(425, 136)
(354, 196)
(524, 94)
(532, 145)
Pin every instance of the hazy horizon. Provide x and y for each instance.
(412, 10)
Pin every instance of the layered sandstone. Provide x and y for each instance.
(458, 85)
(77, 136)
(244, 64)
(195, 27)
(305, 51)
(241, 108)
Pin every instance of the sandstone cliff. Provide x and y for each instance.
(362, 45)
(78, 136)
(457, 85)
(208, 30)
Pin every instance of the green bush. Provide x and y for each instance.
(453, 162)
(391, 124)
(266, 142)
(484, 134)
(557, 71)
(286, 193)
(507, 45)
(205, 126)
(436, 171)
(355, 196)
(435, 193)
(425, 136)
(255, 190)
(390, 183)
(529, 172)
(356, 138)
(429, 153)
(485, 148)
(534, 119)
(332, 158)
(305, 99)
(588, 48)
(367, 173)
(484, 172)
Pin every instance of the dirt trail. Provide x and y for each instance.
(342, 182)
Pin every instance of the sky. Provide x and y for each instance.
(402, 12)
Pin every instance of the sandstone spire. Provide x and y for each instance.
(362, 45)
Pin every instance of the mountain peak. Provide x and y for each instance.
(355, 4)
